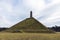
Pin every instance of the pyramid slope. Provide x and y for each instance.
(29, 25)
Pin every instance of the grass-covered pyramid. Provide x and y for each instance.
(29, 25)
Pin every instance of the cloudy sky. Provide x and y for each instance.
(14, 11)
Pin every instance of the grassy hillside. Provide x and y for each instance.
(29, 25)
(29, 36)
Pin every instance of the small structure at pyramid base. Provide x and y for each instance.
(29, 25)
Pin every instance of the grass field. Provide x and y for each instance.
(29, 36)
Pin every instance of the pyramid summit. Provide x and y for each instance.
(29, 25)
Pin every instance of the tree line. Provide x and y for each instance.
(55, 28)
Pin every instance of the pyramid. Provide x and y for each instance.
(29, 25)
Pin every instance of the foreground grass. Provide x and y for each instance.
(29, 36)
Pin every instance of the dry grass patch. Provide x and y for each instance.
(29, 36)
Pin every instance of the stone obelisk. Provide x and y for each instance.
(31, 14)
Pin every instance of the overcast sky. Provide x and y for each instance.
(14, 11)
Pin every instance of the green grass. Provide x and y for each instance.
(29, 25)
(29, 36)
